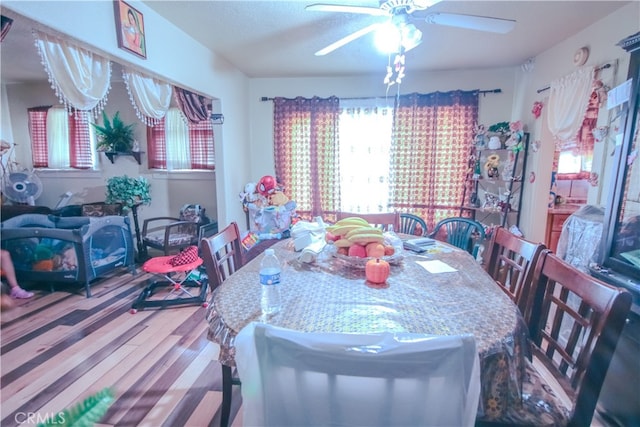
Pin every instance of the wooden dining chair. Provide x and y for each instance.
(295, 378)
(575, 323)
(464, 233)
(222, 255)
(510, 261)
(384, 220)
(412, 224)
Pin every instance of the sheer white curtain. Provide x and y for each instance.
(80, 78)
(568, 102)
(58, 138)
(177, 136)
(150, 97)
(365, 142)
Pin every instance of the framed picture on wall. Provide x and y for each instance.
(130, 28)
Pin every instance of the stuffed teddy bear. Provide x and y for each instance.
(250, 195)
(278, 198)
(491, 166)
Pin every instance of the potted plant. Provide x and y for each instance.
(128, 191)
(114, 135)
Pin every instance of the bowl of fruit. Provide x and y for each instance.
(355, 242)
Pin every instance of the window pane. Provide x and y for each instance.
(569, 163)
(365, 141)
(58, 138)
(177, 134)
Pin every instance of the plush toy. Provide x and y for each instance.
(266, 185)
(250, 196)
(278, 198)
(491, 166)
(480, 132)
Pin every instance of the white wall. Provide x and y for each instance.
(556, 62)
(244, 144)
(519, 92)
(493, 107)
(183, 62)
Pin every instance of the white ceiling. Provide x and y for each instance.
(278, 38)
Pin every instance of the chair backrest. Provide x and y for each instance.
(510, 261)
(413, 225)
(298, 378)
(222, 254)
(193, 213)
(575, 323)
(382, 220)
(464, 233)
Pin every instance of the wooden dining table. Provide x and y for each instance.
(444, 291)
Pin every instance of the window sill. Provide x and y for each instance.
(68, 173)
(183, 174)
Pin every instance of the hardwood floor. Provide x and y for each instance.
(59, 347)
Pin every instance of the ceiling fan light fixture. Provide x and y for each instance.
(423, 4)
(387, 38)
(410, 37)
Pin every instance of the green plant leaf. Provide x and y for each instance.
(128, 191)
(114, 135)
(84, 414)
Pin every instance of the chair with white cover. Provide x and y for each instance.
(384, 379)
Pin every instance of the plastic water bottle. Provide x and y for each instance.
(270, 283)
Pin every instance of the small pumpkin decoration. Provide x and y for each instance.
(377, 270)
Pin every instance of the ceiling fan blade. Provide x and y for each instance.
(472, 22)
(343, 41)
(365, 10)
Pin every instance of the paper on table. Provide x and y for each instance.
(436, 266)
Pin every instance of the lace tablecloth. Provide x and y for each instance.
(330, 296)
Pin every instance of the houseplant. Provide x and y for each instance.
(114, 135)
(128, 191)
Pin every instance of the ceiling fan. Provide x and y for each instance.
(400, 13)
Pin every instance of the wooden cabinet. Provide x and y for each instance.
(555, 220)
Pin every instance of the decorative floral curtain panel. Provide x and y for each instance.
(6, 26)
(80, 78)
(195, 108)
(150, 97)
(568, 102)
(432, 138)
(306, 153)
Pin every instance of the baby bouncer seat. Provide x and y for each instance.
(181, 274)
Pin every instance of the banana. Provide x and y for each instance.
(352, 220)
(343, 243)
(344, 229)
(364, 230)
(363, 239)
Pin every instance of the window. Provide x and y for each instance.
(353, 155)
(365, 133)
(174, 144)
(60, 140)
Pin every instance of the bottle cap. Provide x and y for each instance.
(269, 252)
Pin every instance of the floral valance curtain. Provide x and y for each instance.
(432, 138)
(150, 97)
(6, 26)
(81, 79)
(306, 152)
(568, 102)
(195, 108)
